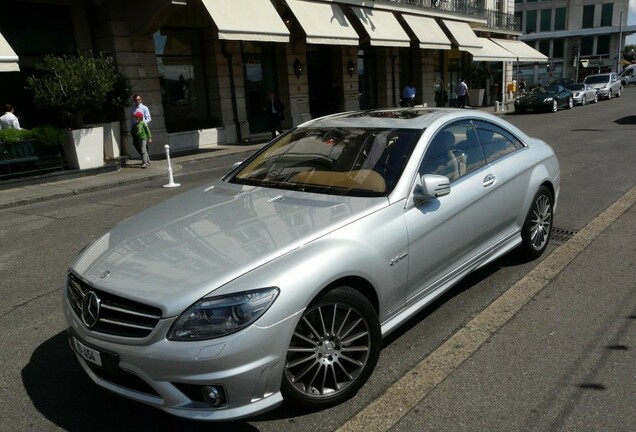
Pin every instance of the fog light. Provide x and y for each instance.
(213, 395)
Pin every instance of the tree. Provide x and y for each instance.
(79, 86)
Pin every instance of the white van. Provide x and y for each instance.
(628, 76)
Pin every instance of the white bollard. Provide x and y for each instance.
(171, 182)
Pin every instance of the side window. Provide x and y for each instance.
(453, 152)
(495, 141)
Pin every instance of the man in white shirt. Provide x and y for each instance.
(138, 107)
(9, 120)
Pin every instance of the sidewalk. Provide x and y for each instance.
(77, 183)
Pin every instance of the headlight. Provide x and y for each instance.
(219, 316)
(547, 100)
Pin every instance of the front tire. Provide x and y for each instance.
(583, 100)
(620, 92)
(570, 103)
(334, 349)
(555, 106)
(596, 97)
(537, 227)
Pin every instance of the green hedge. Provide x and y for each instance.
(46, 135)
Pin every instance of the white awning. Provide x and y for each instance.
(521, 50)
(382, 27)
(324, 23)
(490, 51)
(429, 34)
(463, 35)
(8, 57)
(252, 20)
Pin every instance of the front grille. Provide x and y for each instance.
(117, 316)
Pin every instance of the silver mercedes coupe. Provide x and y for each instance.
(278, 282)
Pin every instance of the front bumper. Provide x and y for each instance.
(168, 375)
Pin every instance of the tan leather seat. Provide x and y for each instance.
(364, 179)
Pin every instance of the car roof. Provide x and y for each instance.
(402, 118)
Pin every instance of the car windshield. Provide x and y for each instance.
(597, 79)
(575, 86)
(340, 161)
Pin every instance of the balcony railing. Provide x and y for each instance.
(502, 21)
(468, 7)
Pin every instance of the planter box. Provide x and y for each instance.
(476, 97)
(112, 139)
(84, 148)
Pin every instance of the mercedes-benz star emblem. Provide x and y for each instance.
(90, 309)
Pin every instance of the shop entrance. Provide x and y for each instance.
(260, 79)
(322, 95)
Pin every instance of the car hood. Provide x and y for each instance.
(599, 85)
(537, 97)
(182, 249)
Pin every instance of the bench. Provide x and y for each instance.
(26, 157)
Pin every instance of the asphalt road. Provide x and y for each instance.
(43, 388)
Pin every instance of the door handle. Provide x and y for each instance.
(489, 180)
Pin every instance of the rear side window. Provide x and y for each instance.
(495, 141)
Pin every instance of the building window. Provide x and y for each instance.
(587, 45)
(558, 46)
(544, 47)
(607, 11)
(531, 21)
(588, 16)
(546, 20)
(603, 45)
(182, 79)
(559, 18)
(518, 1)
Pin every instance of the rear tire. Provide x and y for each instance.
(537, 227)
(334, 349)
(570, 103)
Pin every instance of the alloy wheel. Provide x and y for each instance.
(541, 222)
(333, 350)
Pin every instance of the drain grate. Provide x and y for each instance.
(561, 235)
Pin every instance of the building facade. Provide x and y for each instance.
(206, 67)
(580, 37)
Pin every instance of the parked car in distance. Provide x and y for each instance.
(549, 98)
(607, 84)
(279, 281)
(628, 76)
(582, 93)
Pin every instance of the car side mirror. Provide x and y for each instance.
(432, 186)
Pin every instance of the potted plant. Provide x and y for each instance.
(81, 88)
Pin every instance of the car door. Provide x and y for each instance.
(448, 235)
(505, 153)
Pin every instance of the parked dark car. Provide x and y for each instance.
(549, 98)
(563, 81)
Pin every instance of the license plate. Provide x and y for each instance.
(88, 354)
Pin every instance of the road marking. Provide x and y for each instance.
(416, 384)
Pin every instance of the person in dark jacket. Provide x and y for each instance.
(275, 113)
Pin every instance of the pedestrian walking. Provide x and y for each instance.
(138, 106)
(408, 96)
(142, 132)
(462, 93)
(275, 114)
